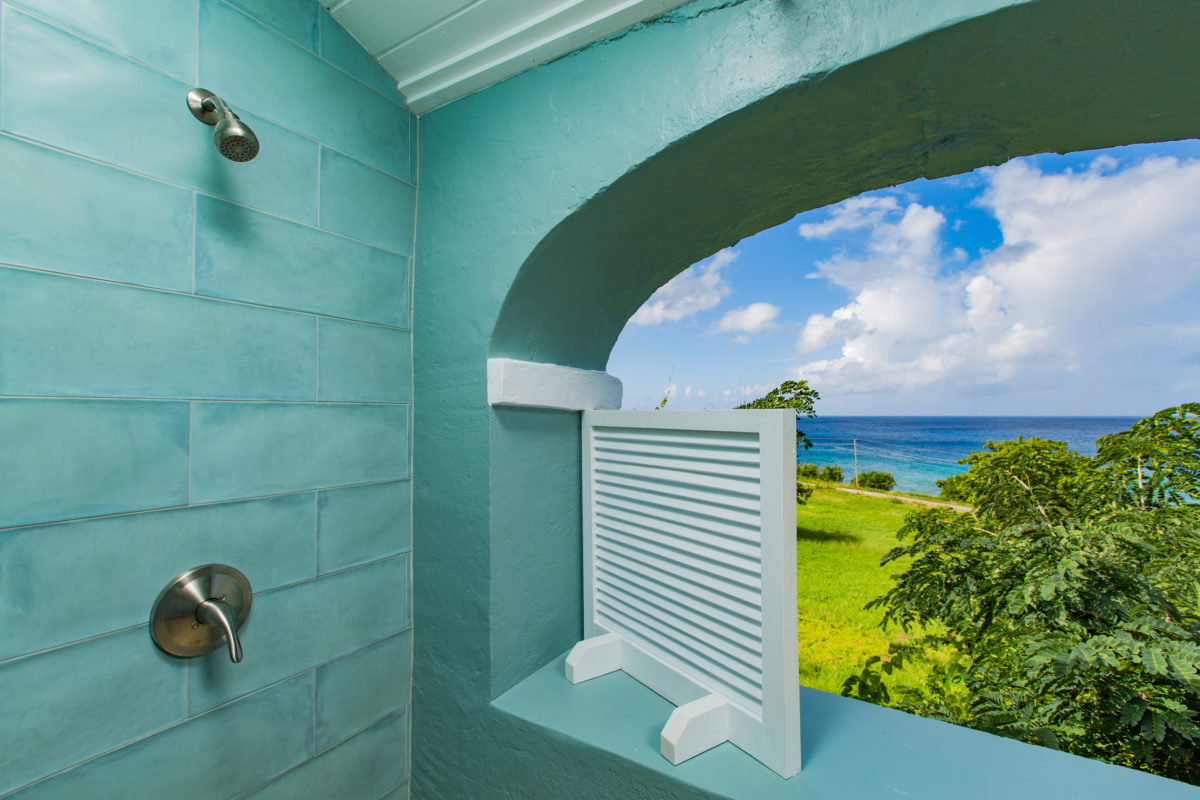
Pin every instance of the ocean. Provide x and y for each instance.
(919, 451)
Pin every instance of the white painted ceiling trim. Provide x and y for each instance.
(441, 50)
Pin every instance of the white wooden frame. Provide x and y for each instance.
(705, 717)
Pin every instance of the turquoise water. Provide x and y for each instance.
(919, 451)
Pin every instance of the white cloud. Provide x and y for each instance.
(852, 214)
(1094, 267)
(754, 318)
(698, 288)
(821, 330)
(909, 245)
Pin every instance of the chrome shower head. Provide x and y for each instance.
(233, 138)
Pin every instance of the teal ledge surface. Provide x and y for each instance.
(852, 750)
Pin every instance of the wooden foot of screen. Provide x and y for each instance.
(695, 727)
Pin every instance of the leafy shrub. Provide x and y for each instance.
(1065, 611)
(807, 471)
(953, 489)
(831, 473)
(883, 481)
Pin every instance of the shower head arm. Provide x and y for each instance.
(208, 107)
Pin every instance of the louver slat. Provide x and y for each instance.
(689, 555)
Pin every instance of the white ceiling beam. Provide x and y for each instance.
(440, 50)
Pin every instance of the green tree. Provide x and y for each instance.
(953, 489)
(1064, 611)
(801, 397)
(880, 481)
(797, 395)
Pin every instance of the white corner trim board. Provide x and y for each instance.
(527, 383)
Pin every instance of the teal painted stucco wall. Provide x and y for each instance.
(202, 361)
(552, 205)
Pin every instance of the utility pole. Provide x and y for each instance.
(855, 463)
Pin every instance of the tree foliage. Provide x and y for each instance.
(881, 481)
(796, 395)
(953, 489)
(1064, 610)
(832, 473)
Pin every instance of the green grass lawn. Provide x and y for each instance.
(840, 538)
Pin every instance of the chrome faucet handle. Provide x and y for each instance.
(200, 610)
(220, 613)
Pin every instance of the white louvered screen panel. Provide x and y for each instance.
(689, 523)
(678, 556)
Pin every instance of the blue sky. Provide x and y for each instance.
(1052, 285)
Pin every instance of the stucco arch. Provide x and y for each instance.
(1039, 77)
(553, 204)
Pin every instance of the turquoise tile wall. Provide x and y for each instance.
(125, 113)
(218, 754)
(247, 255)
(352, 689)
(369, 217)
(364, 363)
(340, 771)
(361, 523)
(202, 361)
(182, 346)
(63, 459)
(160, 33)
(326, 104)
(145, 239)
(340, 48)
(134, 689)
(243, 449)
(298, 627)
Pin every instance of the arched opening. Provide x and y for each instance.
(1073, 342)
(1041, 77)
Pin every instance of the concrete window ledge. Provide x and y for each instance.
(534, 385)
(852, 750)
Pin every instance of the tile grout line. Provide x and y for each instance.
(191, 404)
(196, 45)
(232, 400)
(3, 13)
(86, 38)
(193, 256)
(206, 297)
(46, 145)
(414, 144)
(144, 737)
(335, 745)
(204, 504)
